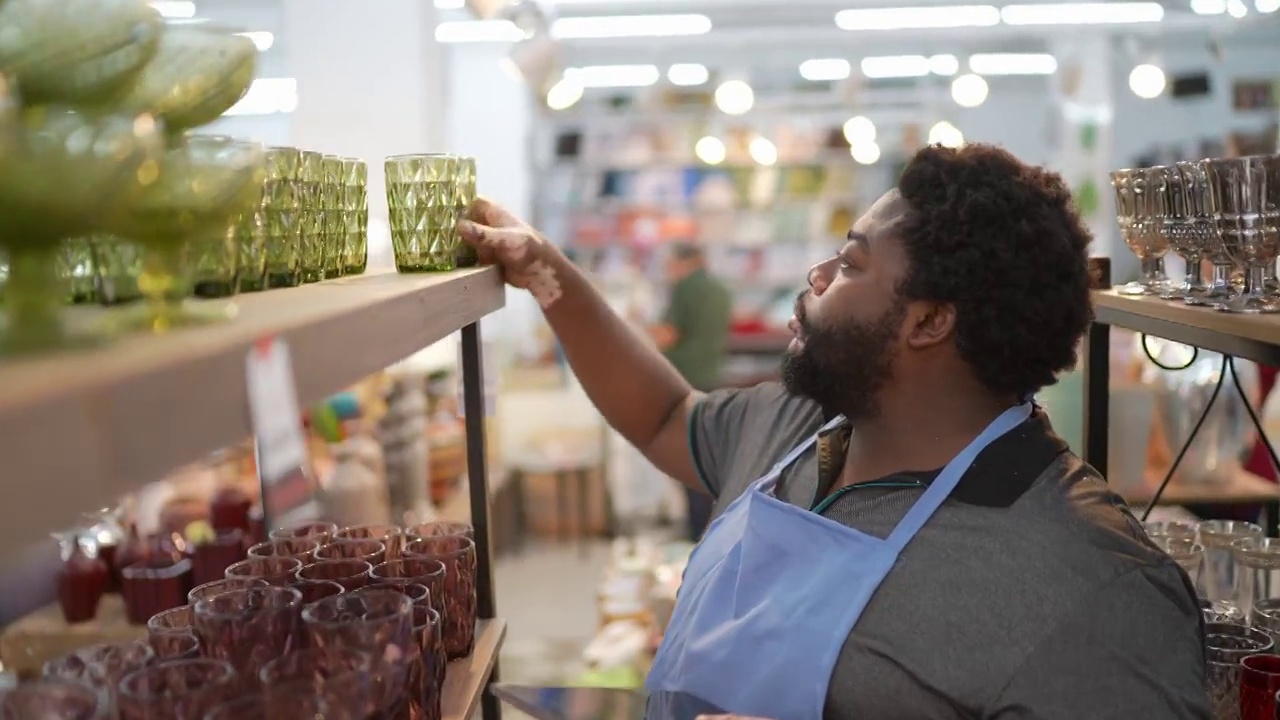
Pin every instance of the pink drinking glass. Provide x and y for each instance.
(101, 666)
(211, 559)
(253, 707)
(303, 549)
(442, 528)
(217, 587)
(317, 532)
(1259, 683)
(335, 671)
(313, 590)
(392, 537)
(428, 572)
(377, 621)
(177, 690)
(432, 663)
(370, 551)
(344, 697)
(459, 614)
(249, 628)
(417, 593)
(350, 574)
(278, 571)
(168, 631)
(50, 700)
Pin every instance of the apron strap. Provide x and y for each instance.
(771, 478)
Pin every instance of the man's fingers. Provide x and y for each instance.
(508, 243)
(487, 212)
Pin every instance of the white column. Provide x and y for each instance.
(370, 84)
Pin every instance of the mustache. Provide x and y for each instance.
(800, 312)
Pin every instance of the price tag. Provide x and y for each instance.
(273, 410)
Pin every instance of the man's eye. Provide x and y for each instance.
(845, 264)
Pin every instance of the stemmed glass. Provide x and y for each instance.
(1244, 192)
(1170, 195)
(1202, 232)
(1135, 214)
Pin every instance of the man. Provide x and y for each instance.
(693, 336)
(898, 534)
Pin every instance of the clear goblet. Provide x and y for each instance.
(1140, 232)
(1175, 220)
(1244, 192)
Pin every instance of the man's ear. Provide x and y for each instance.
(931, 324)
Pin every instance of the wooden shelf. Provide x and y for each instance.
(1241, 486)
(81, 429)
(467, 678)
(1256, 337)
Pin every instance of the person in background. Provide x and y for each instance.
(693, 335)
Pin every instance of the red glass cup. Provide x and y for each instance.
(179, 647)
(211, 559)
(167, 631)
(428, 572)
(316, 667)
(177, 690)
(392, 537)
(217, 587)
(153, 586)
(345, 697)
(350, 574)
(278, 571)
(301, 548)
(48, 699)
(370, 551)
(317, 532)
(459, 603)
(313, 590)
(379, 622)
(253, 707)
(418, 594)
(1259, 683)
(249, 628)
(101, 667)
(442, 528)
(429, 678)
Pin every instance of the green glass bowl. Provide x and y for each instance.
(76, 51)
(197, 74)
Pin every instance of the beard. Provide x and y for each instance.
(843, 368)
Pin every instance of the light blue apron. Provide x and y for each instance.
(772, 592)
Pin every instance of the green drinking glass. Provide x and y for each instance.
(423, 211)
(250, 233)
(356, 216)
(76, 270)
(117, 263)
(62, 176)
(183, 222)
(310, 180)
(282, 216)
(331, 204)
(465, 195)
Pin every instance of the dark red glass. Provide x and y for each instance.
(50, 699)
(249, 628)
(169, 631)
(314, 590)
(370, 551)
(107, 554)
(417, 593)
(229, 509)
(442, 528)
(81, 581)
(318, 532)
(217, 587)
(153, 586)
(210, 560)
(376, 621)
(101, 666)
(1259, 683)
(302, 549)
(428, 572)
(459, 603)
(428, 679)
(132, 550)
(350, 574)
(253, 707)
(278, 571)
(392, 537)
(177, 690)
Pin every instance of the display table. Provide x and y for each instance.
(29, 643)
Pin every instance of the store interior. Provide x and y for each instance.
(757, 131)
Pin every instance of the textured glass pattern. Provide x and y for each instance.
(332, 190)
(466, 194)
(117, 265)
(1225, 646)
(310, 180)
(423, 211)
(355, 178)
(282, 208)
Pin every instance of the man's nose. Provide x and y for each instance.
(819, 278)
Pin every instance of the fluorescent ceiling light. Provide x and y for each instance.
(688, 74)
(625, 26)
(175, 8)
(471, 31)
(1208, 7)
(820, 69)
(1237, 9)
(268, 96)
(261, 39)
(895, 66)
(1266, 6)
(1013, 64)
(1083, 13)
(614, 76)
(945, 65)
(564, 94)
(450, 4)
(916, 18)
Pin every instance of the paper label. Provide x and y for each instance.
(281, 446)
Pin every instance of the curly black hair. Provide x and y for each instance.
(1001, 241)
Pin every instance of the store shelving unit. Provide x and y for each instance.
(1253, 337)
(80, 429)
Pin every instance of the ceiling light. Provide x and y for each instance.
(969, 90)
(946, 135)
(1013, 64)
(825, 69)
(261, 39)
(895, 66)
(1266, 6)
(1083, 13)
(175, 8)
(1146, 81)
(865, 153)
(1237, 9)
(479, 31)
(735, 97)
(945, 65)
(268, 96)
(628, 26)
(688, 74)
(710, 150)
(916, 18)
(614, 76)
(1208, 7)
(564, 94)
(450, 4)
(859, 129)
(763, 151)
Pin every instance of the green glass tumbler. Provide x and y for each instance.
(332, 229)
(465, 180)
(75, 265)
(282, 217)
(355, 188)
(310, 182)
(250, 237)
(117, 265)
(213, 262)
(423, 211)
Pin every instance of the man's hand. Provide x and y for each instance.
(503, 239)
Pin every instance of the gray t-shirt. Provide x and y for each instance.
(1033, 592)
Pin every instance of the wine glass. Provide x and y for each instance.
(1170, 195)
(203, 183)
(1244, 192)
(1134, 212)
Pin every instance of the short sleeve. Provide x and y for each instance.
(737, 434)
(1135, 650)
